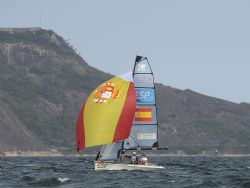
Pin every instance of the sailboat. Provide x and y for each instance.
(121, 115)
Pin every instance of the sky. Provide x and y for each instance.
(202, 45)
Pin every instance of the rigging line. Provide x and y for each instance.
(134, 141)
(122, 146)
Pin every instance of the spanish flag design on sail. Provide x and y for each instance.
(107, 114)
(143, 114)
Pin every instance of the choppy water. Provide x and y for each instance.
(70, 172)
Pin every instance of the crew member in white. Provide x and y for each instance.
(133, 158)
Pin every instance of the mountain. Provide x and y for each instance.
(196, 123)
(43, 85)
(44, 82)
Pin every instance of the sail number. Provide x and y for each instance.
(101, 165)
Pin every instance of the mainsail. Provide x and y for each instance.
(143, 134)
(107, 114)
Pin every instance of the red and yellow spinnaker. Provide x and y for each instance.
(107, 115)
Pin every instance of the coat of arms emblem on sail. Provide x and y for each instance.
(105, 92)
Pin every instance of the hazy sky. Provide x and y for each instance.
(202, 45)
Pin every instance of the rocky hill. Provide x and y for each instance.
(196, 123)
(43, 83)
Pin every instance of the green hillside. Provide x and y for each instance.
(44, 82)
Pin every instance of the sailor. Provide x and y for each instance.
(122, 154)
(134, 158)
(143, 160)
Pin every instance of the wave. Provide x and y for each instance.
(62, 180)
(46, 181)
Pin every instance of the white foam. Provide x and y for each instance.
(63, 179)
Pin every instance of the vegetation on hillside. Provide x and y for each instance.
(43, 83)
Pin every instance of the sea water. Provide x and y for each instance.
(74, 172)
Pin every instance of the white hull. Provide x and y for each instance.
(101, 165)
